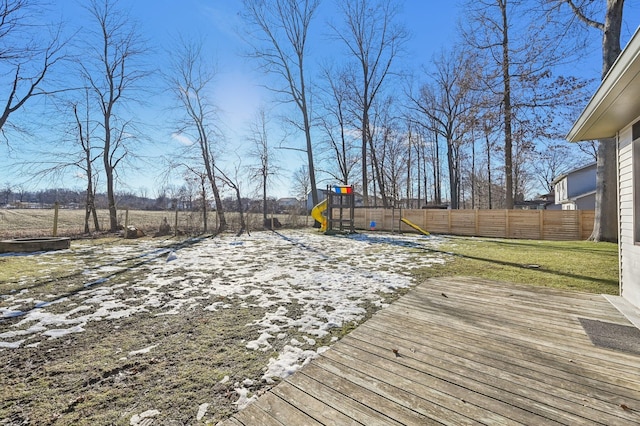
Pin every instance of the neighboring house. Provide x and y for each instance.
(614, 112)
(322, 194)
(542, 202)
(576, 190)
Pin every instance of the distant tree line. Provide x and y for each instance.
(17, 197)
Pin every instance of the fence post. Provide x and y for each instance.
(55, 219)
(126, 220)
(175, 224)
(541, 224)
(477, 218)
(579, 236)
(393, 220)
(506, 224)
(424, 219)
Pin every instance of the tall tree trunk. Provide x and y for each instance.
(222, 221)
(605, 226)
(486, 135)
(203, 188)
(437, 188)
(453, 178)
(365, 132)
(87, 211)
(243, 223)
(264, 199)
(378, 174)
(307, 134)
(473, 171)
(108, 168)
(506, 100)
(409, 183)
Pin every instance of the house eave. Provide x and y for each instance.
(616, 103)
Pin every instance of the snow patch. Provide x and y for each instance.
(290, 360)
(202, 410)
(142, 351)
(55, 333)
(243, 401)
(137, 419)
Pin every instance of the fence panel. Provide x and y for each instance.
(492, 223)
(524, 224)
(438, 222)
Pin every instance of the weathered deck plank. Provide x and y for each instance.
(465, 351)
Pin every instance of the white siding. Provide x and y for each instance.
(629, 251)
(561, 191)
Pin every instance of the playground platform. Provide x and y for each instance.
(466, 351)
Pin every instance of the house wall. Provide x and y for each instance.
(588, 202)
(629, 251)
(581, 182)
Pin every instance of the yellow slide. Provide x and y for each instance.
(316, 213)
(414, 226)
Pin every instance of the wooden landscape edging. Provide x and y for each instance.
(560, 225)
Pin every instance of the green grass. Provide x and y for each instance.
(570, 265)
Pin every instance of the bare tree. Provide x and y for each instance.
(6, 192)
(26, 58)
(234, 183)
(262, 151)
(552, 160)
(605, 226)
(86, 163)
(373, 40)
(73, 153)
(335, 122)
(279, 44)
(447, 104)
(190, 80)
(301, 184)
(198, 179)
(112, 69)
(521, 52)
(393, 149)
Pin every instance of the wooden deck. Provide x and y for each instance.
(464, 351)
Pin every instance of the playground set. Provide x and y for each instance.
(335, 213)
(338, 206)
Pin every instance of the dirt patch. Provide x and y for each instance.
(130, 331)
(119, 368)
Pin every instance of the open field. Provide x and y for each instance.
(16, 223)
(188, 331)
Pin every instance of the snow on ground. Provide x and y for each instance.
(327, 278)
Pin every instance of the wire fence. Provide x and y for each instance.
(21, 223)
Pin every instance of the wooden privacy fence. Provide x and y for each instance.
(525, 224)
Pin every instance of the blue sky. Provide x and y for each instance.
(432, 24)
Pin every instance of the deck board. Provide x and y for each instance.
(465, 351)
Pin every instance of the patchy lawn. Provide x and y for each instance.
(185, 332)
(569, 265)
